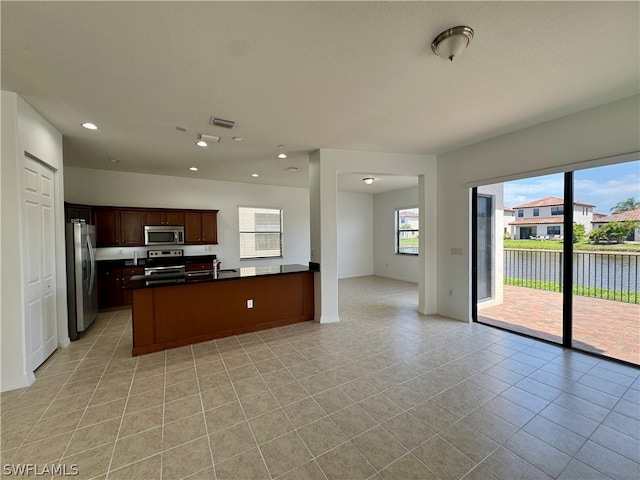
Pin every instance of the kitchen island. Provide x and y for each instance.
(197, 307)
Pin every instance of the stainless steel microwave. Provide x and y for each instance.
(163, 235)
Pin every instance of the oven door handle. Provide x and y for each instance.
(157, 270)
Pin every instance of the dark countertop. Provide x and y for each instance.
(140, 281)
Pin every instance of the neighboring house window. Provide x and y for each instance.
(520, 213)
(557, 210)
(407, 231)
(554, 230)
(260, 232)
(536, 212)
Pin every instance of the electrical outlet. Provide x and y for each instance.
(250, 303)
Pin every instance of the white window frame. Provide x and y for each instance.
(243, 233)
(397, 229)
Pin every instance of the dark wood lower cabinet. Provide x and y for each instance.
(111, 279)
(172, 316)
(109, 286)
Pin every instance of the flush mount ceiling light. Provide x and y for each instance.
(368, 180)
(237, 139)
(181, 129)
(201, 143)
(113, 160)
(291, 169)
(282, 155)
(90, 126)
(255, 175)
(452, 42)
(193, 169)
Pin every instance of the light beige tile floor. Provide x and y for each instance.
(384, 394)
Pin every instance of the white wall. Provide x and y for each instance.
(601, 132)
(355, 234)
(101, 187)
(23, 129)
(386, 262)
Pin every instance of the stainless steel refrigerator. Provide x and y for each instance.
(82, 291)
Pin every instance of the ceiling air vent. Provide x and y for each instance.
(221, 122)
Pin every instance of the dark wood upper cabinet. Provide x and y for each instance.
(131, 228)
(78, 212)
(107, 221)
(163, 217)
(118, 227)
(122, 226)
(210, 228)
(201, 227)
(174, 217)
(192, 227)
(153, 217)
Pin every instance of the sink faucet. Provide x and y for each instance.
(216, 262)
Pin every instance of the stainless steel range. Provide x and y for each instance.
(162, 264)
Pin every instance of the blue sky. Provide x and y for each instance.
(602, 186)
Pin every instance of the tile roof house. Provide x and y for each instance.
(626, 216)
(544, 218)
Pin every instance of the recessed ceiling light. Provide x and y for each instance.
(201, 143)
(291, 169)
(282, 155)
(237, 139)
(181, 129)
(90, 126)
(255, 175)
(193, 169)
(368, 180)
(114, 160)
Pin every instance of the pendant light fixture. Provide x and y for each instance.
(452, 42)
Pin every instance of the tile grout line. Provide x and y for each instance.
(204, 417)
(245, 415)
(126, 403)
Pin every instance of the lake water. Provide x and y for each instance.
(616, 271)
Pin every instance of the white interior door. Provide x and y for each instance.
(39, 258)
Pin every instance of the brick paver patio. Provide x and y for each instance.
(599, 326)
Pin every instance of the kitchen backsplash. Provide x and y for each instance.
(126, 253)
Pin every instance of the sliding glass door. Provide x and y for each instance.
(557, 257)
(606, 268)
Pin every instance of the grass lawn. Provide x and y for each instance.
(409, 242)
(582, 246)
(614, 295)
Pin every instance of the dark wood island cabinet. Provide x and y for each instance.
(183, 311)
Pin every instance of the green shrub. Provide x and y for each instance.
(578, 232)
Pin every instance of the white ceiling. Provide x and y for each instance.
(306, 75)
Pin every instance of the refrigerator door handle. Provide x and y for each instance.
(92, 258)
